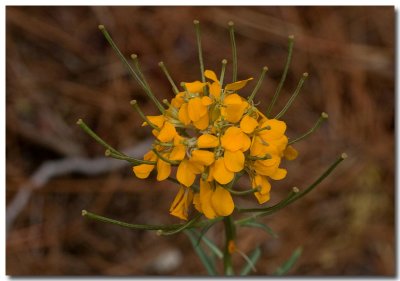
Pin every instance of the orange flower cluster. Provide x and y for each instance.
(212, 133)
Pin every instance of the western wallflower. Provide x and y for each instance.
(211, 133)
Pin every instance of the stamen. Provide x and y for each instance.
(260, 80)
(130, 69)
(234, 53)
(322, 118)
(137, 108)
(283, 78)
(293, 97)
(171, 81)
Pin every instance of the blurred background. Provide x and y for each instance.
(60, 68)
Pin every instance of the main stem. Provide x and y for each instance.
(230, 232)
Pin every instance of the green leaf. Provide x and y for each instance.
(251, 262)
(214, 248)
(289, 263)
(264, 227)
(208, 264)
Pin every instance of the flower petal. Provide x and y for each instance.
(163, 169)
(167, 133)
(196, 109)
(211, 75)
(234, 161)
(290, 153)
(177, 153)
(183, 114)
(184, 175)
(195, 87)
(279, 174)
(207, 141)
(221, 173)
(178, 100)
(142, 171)
(215, 90)
(261, 182)
(230, 139)
(180, 205)
(237, 85)
(158, 120)
(197, 203)
(222, 201)
(206, 101)
(248, 124)
(205, 199)
(202, 123)
(203, 157)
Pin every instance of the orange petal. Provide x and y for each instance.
(196, 109)
(262, 183)
(195, 87)
(167, 133)
(202, 123)
(215, 90)
(183, 114)
(248, 124)
(205, 198)
(206, 101)
(234, 161)
(207, 141)
(180, 205)
(211, 75)
(221, 173)
(279, 174)
(177, 153)
(230, 139)
(163, 169)
(290, 153)
(222, 201)
(237, 85)
(197, 203)
(142, 171)
(158, 120)
(203, 157)
(178, 100)
(184, 175)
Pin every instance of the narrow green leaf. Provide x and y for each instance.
(264, 227)
(208, 264)
(289, 263)
(254, 256)
(214, 248)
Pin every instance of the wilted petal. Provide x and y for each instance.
(180, 205)
(290, 153)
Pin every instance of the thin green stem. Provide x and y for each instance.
(322, 118)
(182, 228)
(135, 161)
(165, 159)
(96, 137)
(137, 108)
(130, 69)
(244, 192)
(234, 52)
(283, 78)
(293, 97)
(223, 68)
(230, 233)
(260, 80)
(198, 38)
(171, 81)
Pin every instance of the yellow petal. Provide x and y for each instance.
(177, 153)
(150, 156)
(202, 123)
(234, 107)
(163, 169)
(230, 139)
(211, 75)
(248, 124)
(197, 203)
(180, 205)
(234, 161)
(184, 175)
(158, 120)
(195, 87)
(277, 128)
(195, 167)
(222, 201)
(207, 141)
(245, 141)
(206, 101)
(205, 198)
(167, 133)
(183, 114)
(203, 157)
(279, 174)
(142, 171)
(178, 100)
(290, 153)
(237, 85)
(215, 90)
(221, 173)
(196, 109)
(262, 183)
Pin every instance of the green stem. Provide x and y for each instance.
(96, 137)
(260, 80)
(234, 52)
(183, 227)
(137, 108)
(130, 69)
(198, 38)
(322, 118)
(293, 97)
(283, 78)
(171, 81)
(135, 161)
(230, 232)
